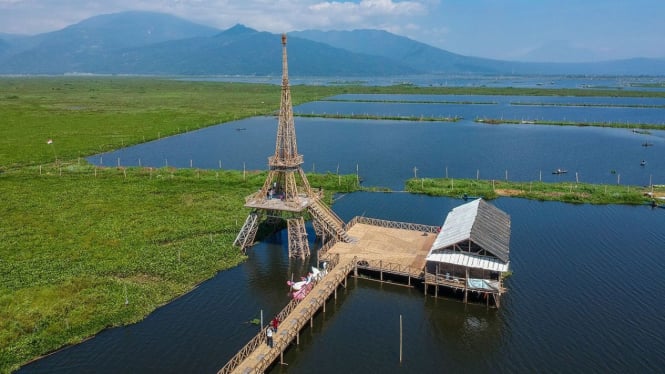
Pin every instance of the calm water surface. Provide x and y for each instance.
(520, 108)
(586, 296)
(386, 152)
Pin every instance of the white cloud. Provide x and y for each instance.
(365, 14)
(36, 16)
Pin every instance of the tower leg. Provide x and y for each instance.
(298, 245)
(248, 231)
(318, 228)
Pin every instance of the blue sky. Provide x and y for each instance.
(527, 30)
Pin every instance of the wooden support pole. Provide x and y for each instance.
(466, 289)
(400, 338)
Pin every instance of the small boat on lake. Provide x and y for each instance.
(642, 163)
(559, 171)
(647, 144)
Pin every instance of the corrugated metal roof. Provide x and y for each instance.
(469, 260)
(457, 226)
(479, 222)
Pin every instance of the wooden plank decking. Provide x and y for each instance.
(381, 248)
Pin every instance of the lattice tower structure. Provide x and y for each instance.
(286, 164)
(286, 193)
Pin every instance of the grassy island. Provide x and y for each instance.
(569, 192)
(377, 117)
(637, 127)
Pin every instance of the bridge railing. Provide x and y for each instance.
(459, 282)
(260, 338)
(390, 267)
(392, 224)
(323, 251)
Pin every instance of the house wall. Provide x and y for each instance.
(458, 271)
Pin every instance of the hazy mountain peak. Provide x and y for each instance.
(133, 28)
(239, 29)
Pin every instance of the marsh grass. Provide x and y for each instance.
(569, 192)
(85, 247)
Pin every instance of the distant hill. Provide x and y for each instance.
(244, 51)
(403, 50)
(158, 44)
(81, 46)
(424, 57)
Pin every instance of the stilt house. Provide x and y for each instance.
(471, 252)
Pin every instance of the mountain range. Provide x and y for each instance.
(160, 44)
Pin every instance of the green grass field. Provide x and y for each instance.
(569, 192)
(85, 248)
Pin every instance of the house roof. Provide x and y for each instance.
(479, 222)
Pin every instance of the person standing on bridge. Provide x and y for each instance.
(269, 336)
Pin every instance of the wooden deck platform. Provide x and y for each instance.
(398, 246)
(385, 246)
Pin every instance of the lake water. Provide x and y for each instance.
(586, 294)
(386, 152)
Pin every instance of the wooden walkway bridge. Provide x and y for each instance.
(384, 247)
(256, 356)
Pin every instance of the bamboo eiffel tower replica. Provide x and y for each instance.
(286, 193)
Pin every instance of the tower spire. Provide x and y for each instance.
(286, 147)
